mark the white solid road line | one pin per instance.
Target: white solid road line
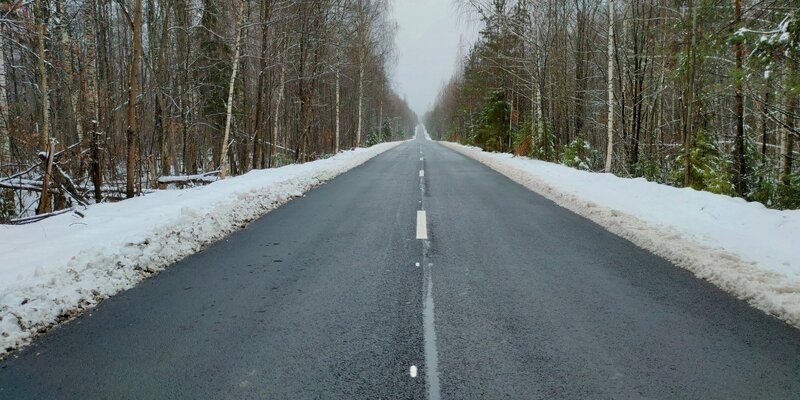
(421, 172)
(422, 225)
(429, 332)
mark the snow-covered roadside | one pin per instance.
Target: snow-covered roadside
(56, 268)
(744, 248)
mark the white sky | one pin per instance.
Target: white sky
(428, 38)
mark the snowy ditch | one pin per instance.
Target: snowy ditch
(741, 247)
(53, 270)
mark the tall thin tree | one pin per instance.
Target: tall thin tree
(133, 92)
(223, 170)
(610, 145)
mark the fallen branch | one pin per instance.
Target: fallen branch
(37, 218)
(43, 157)
(69, 186)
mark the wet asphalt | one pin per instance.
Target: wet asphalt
(322, 299)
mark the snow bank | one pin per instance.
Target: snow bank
(744, 248)
(51, 270)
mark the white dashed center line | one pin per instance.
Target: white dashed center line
(429, 331)
(422, 225)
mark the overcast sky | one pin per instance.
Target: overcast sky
(428, 39)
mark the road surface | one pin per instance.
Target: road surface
(491, 292)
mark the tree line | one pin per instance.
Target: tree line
(101, 98)
(692, 93)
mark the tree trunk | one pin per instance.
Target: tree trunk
(44, 130)
(163, 131)
(97, 169)
(787, 139)
(44, 133)
(276, 118)
(739, 161)
(45, 204)
(338, 110)
(764, 128)
(610, 144)
(92, 117)
(184, 43)
(133, 91)
(66, 45)
(542, 133)
(510, 117)
(360, 123)
(231, 86)
(689, 93)
(258, 136)
(5, 138)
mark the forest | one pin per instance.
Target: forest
(102, 100)
(691, 93)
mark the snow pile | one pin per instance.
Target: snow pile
(51, 270)
(744, 248)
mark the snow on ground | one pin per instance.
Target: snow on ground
(742, 247)
(53, 269)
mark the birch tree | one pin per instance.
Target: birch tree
(231, 86)
(363, 28)
(45, 143)
(610, 138)
(5, 138)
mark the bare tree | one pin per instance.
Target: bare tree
(201, 91)
(229, 114)
(610, 145)
(133, 92)
(45, 205)
(5, 138)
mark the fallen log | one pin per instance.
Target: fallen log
(202, 179)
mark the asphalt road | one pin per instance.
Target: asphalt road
(513, 297)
